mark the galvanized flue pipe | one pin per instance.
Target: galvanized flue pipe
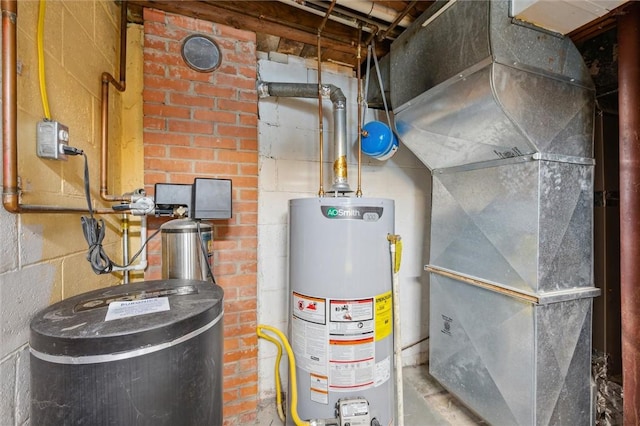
(339, 100)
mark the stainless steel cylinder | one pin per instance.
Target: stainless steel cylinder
(187, 249)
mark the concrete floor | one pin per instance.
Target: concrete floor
(426, 403)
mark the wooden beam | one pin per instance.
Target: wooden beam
(266, 42)
(592, 29)
(267, 17)
(290, 47)
(599, 25)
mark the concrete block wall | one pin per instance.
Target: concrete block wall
(205, 125)
(42, 259)
(289, 168)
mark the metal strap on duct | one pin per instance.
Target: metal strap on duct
(536, 298)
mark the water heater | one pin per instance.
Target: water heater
(341, 325)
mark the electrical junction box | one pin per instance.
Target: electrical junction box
(51, 136)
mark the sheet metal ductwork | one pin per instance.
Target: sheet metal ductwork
(484, 88)
(502, 113)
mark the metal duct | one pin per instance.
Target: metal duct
(502, 113)
(309, 90)
(485, 88)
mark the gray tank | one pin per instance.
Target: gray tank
(148, 353)
(341, 324)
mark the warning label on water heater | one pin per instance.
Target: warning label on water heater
(335, 341)
(351, 344)
(351, 363)
(384, 315)
(309, 308)
(309, 333)
(351, 317)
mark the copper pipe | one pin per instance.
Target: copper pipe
(320, 120)
(123, 41)
(104, 137)
(9, 107)
(34, 208)
(326, 16)
(396, 21)
(120, 85)
(629, 119)
(10, 190)
(360, 102)
(374, 32)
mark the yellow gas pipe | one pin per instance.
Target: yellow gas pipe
(292, 372)
(277, 371)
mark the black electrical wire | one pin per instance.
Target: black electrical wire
(205, 253)
(135, 256)
(94, 229)
(94, 234)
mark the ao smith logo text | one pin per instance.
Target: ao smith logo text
(334, 211)
(366, 213)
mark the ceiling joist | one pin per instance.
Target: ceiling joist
(339, 42)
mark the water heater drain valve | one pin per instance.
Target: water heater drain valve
(353, 412)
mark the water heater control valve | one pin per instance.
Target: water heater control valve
(353, 411)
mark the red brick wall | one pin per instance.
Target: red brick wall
(205, 125)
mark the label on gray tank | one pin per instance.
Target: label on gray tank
(366, 213)
(119, 310)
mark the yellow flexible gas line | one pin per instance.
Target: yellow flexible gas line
(277, 372)
(43, 84)
(292, 373)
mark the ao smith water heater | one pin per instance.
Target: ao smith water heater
(341, 327)
(341, 323)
